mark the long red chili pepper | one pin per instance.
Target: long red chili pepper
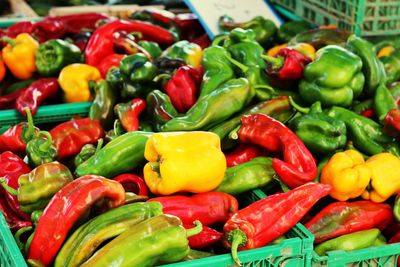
(69, 137)
(65, 208)
(133, 183)
(267, 219)
(209, 208)
(206, 238)
(39, 91)
(299, 166)
(243, 153)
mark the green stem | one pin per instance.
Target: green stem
(276, 62)
(9, 41)
(35, 216)
(134, 35)
(237, 238)
(234, 133)
(218, 39)
(133, 198)
(26, 249)
(195, 230)
(241, 66)
(155, 166)
(8, 188)
(49, 141)
(297, 107)
(164, 77)
(17, 236)
(99, 145)
(30, 132)
(263, 86)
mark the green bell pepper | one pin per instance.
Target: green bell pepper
(334, 78)
(138, 68)
(53, 55)
(122, 154)
(152, 48)
(103, 103)
(84, 241)
(114, 78)
(257, 172)
(41, 150)
(318, 131)
(160, 108)
(291, 28)
(212, 108)
(189, 52)
(391, 64)
(160, 239)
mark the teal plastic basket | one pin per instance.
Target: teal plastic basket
(362, 17)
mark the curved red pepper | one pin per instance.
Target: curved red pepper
(14, 222)
(112, 60)
(209, 208)
(65, 208)
(76, 22)
(207, 237)
(299, 166)
(128, 113)
(101, 43)
(243, 153)
(69, 137)
(133, 183)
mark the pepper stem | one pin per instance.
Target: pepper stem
(241, 66)
(17, 236)
(234, 133)
(297, 107)
(195, 230)
(9, 41)
(35, 216)
(263, 86)
(8, 188)
(237, 238)
(26, 249)
(218, 39)
(28, 134)
(276, 62)
(155, 166)
(49, 141)
(164, 77)
(99, 145)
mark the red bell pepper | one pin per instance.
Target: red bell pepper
(209, 208)
(39, 91)
(112, 60)
(243, 153)
(340, 218)
(14, 222)
(11, 168)
(183, 87)
(101, 44)
(69, 137)
(67, 206)
(269, 218)
(128, 113)
(299, 166)
(133, 183)
(206, 238)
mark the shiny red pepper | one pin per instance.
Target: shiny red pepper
(183, 87)
(298, 167)
(128, 113)
(369, 113)
(133, 183)
(206, 238)
(19, 27)
(209, 208)
(269, 218)
(65, 208)
(243, 153)
(392, 122)
(69, 137)
(112, 60)
(75, 23)
(38, 92)
(14, 222)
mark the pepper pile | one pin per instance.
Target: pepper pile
(179, 129)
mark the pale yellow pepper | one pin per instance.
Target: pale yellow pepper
(74, 81)
(385, 177)
(183, 162)
(347, 173)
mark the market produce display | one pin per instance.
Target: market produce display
(181, 127)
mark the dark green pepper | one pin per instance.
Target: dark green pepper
(372, 68)
(138, 68)
(115, 78)
(318, 131)
(391, 64)
(322, 37)
(291, 28)
(160, 239)
(86, 152)
(257, 172)
(133, 90)
(84, 241)
(160, 108)
(53, 55)
(213, 108)
(189, 52)
(152, 48)
(122, 154)
(41, 149)
(383, 102)
(103, 104)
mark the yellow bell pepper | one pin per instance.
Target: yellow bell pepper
(347, 173)
(19, 55)
(306, 49)
(74, 81)
(385, 178)
(183, 162)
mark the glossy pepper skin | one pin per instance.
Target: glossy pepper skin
(252, 174)
(13, 221)
(383, 102)
(86, 152)
(82, 244)
(334, 78)
(128, 113)
(2, 68)
(38, 92)
(152, 48)
(160, 108)
(391, 64)
(206, 238)
(372, 68)
(121, 155)
(190, 53)
(19, 55)
(340, 218)
(213, 108)
(41, 150)
(243, 153)
(52, 56)
(69, 137)
(67, 205)
(321, 37)
(132, 183)
(183, 87)
(168, 153)
(353, 241)
(209, 208)
(246, 229)
(319, 132)
(109, 62)
(103, 103)
(138, 68)
(298, 167)
(164, 235)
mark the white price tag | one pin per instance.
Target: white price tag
(209, 11)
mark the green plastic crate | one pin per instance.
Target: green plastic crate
(362, 17)
(294, 251)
